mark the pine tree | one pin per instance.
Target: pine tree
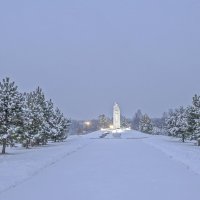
(146, 124)
(60, 126)
(43, 122)
(25, 134)
(10, 112)
(36, 104)
(104, 122)
(177, 123)
(171, 123)
(47, 126)
(136, 120)
(193, 113)
(125, 122)
(182, 124)
(159, 124)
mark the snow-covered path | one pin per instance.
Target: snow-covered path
(111, 169)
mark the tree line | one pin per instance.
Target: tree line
(181, 122)
(29, 118)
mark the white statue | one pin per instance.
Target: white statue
(116, 117)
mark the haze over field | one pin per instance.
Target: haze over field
(88, 54)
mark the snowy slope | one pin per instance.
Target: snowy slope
(135, 166)
(21, 164)
(186, 153)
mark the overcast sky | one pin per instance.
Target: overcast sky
(87, 54)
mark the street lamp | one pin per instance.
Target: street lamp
(87, 123)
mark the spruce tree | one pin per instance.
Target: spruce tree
(193, 113)
(146, 124)
(177, 123)
(171, 123)
(136, 120)
(10, 112)
(103, 122)
(25, 134)
(125, 122)
(36, 104)
(47, 125)
(60, 127)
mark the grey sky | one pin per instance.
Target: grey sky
(87, 54)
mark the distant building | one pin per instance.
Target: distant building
(116, 117)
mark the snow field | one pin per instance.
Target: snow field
(21, 164)
(133, 166)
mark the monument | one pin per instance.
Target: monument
(116, 117)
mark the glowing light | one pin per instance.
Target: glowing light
(87, 123)
(111, 126)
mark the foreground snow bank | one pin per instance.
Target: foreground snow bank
(111, 168)
(21, 164)
(186, 153)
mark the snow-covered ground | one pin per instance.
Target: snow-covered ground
(21, 164)
(187, 153)
(133, 166)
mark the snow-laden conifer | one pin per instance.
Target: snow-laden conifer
(177, 124)
(60, 127)
(194, 118)
(11, 104)
(145, 124)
